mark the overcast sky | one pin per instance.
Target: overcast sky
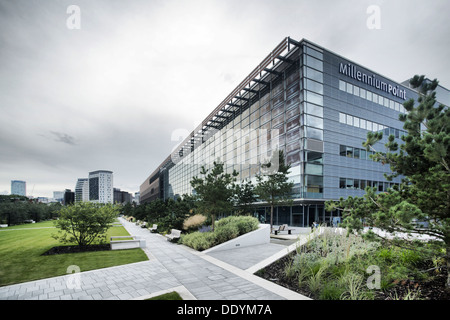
(110, 94)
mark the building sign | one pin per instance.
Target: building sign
(370, 79)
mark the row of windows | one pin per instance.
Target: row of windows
(368, 125)
(356, 153)
(371, 96)
(361, 184)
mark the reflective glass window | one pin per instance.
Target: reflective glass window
(314, 98)
(314, 86)
(314, 74)
(314, 110)
(314, 121)
(314, 63)
(314, 133)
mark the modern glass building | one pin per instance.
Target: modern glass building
(314, 105)
(18, 187)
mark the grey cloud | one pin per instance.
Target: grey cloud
(64, 138)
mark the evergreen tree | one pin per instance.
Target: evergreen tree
(273, 186)
(244, 197)
(423, 159)
(214, 191)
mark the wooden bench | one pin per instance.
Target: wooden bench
(153, 229)
(283, 227)
(174, 234)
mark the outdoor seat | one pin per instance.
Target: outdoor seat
(154, 228)
(174, 235)
(283, 227)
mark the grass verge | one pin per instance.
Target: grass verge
(21, 249)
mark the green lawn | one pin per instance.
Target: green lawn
(21, 249)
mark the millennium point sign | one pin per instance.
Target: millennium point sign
(370, 79)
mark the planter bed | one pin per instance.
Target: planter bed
(77, 249)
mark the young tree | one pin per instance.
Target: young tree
(274, 187)
(84, 222)
(214, 191)
(424, 159)
(244, 197)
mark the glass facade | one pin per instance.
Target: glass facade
(310, 103)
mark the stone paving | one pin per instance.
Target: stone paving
(221, 276)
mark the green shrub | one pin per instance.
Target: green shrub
(226, 229)
(225, 233)
(198, 240)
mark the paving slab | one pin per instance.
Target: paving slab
(210, 277)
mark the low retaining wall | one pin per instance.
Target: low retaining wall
(260, 236)
(137, 242)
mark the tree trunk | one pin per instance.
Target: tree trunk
(271, 218)
(447, 285)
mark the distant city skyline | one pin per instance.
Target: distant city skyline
(118, 84)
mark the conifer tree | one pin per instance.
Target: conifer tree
(423, 160)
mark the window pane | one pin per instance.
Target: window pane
(363, 154)
(314, 121)
(349, 152)
(314, 184)
(375, 98)
(316, 169)
(343, 150)
(362, 124)
(314, 133)
(349, 88)
(369, 125)
(341, 85)
(369, 96)
(342, 183)
(314, 98)
(314, 86)
(356, 122)
(314, 110)
(342, 118)
(362, 93)
(356, 90)
(349, 120)
(349, 183)
(314, 74)
(314, 157)
(314, 53)
(314, 63)
(375, 126)
(356, 153)
(356, 184)
(362, 184)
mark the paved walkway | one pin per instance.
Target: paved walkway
(216, 276)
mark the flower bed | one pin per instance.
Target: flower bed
(225, 229)
(334, 267)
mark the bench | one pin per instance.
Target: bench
(283, 227)
(137, 242)
(174, 234)
(153, 229)
(143, 224)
